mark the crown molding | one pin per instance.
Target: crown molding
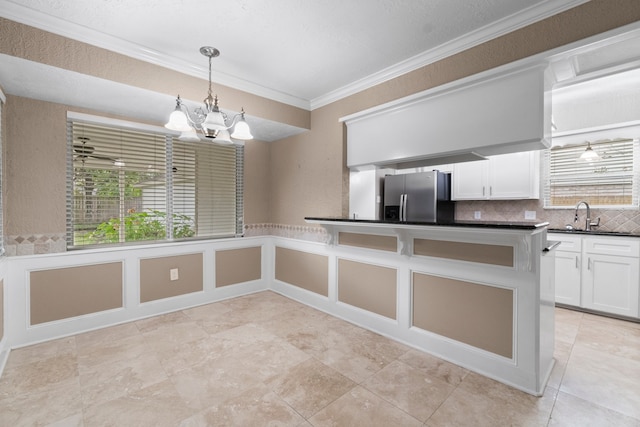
(52, 24)
(27, 16)
(504, 26)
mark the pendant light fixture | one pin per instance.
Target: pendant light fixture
(589, 154)
(210, 121)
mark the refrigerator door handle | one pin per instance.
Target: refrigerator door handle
(404, 207)
(401, 207)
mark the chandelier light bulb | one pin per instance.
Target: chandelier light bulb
(210, 120)
(241, 130)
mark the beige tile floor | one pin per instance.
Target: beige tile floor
(265, 360)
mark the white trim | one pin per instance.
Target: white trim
(504, 26)
(540, 59)
(456, 85)
(100, 120)
(624, 130)
(538, 12)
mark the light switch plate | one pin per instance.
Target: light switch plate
(529, 214)
(477, 215)
(173, 274)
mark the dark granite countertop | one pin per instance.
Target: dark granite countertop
(516, 225)
(593, 232)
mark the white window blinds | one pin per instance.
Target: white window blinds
(611, 181)
(127, 185)
(204, 187)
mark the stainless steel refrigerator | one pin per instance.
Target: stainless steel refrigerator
(418, 197)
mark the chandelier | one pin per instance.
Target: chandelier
(589, 154)
(210, 121)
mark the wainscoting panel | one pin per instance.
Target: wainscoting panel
(238, 266)
(370, 287)
(155, 277)
(61, 293)
(475, 314)
(305, 270)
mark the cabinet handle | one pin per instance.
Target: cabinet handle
(589, 264)
(577, 266)
(490, 190)
(483, 191)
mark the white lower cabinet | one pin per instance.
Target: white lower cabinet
(610, 284)
(568, 278)
(598, 273)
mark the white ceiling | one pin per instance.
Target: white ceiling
(303, 53)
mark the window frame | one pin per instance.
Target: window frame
(170, 139)
(599, 146)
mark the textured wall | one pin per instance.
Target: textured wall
(257, 182)
(300, 176)
(35, 167)
(305, 167)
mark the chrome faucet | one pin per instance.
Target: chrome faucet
(588, 224)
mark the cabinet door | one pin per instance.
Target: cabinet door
(468, 181)
(514, 176)
(567, 278)
(610, 284)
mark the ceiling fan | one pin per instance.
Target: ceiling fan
(82, 151)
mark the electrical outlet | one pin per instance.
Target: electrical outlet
(477, 215)
(173, 274)
(529, 214)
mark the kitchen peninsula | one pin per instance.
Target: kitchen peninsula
(480, 295)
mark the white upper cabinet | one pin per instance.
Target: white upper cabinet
(496, 112)
(504, 177)
(469, 180)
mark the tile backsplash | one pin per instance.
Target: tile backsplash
(621, 220)
(35, 244)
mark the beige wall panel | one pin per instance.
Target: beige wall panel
(307, 172)
(371, 241)
(238, 266)
(257, 182)
(463, 251)
(478, 315)
(370, 287)
(69, 292)
(1, 309)
(303, 269)
(155, 279)
(35, 159)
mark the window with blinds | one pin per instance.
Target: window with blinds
(611, 181)
(127, 185)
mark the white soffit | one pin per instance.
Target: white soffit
(306, 55)
(46, 83)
